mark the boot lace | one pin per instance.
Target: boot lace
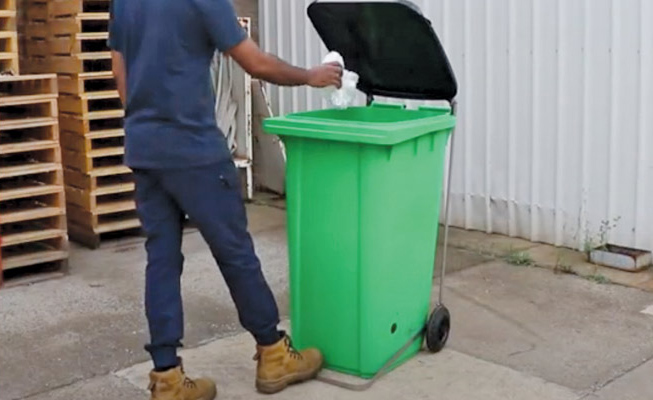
(291, 350)
(189, 383)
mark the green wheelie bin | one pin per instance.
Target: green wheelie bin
(364, 189)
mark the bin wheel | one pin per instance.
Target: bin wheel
(437, 329)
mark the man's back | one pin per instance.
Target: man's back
(167, 46)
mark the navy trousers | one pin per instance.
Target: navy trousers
(210, 196)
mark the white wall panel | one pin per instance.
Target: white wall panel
(555, 132)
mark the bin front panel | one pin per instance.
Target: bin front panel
(362, 227)
(401, 196)
(323, 240)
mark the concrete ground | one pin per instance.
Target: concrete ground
(519, 332)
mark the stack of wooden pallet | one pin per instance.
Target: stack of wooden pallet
(69, 37)
(32, 206)
(8, 38)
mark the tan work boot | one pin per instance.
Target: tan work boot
(281, 365)
(173, 384)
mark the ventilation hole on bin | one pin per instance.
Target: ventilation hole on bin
(393, 329)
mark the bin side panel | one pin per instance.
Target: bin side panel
(323, 241)
(401, 189)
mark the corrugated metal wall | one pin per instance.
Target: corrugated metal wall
(556, 111)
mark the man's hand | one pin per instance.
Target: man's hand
(325, 75)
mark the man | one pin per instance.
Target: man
(161, 52)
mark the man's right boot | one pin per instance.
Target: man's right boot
(173, 384)
(281, 365)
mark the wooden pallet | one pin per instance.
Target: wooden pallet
(28, 139)
(87, 162)
(9, 5)
(118, 195)
(25, 85)
(100, 202)
(81, 63)
(96, 141)
(86, 153)
(36, 207)
(31, 64)
(101, 181)
(99, 188)
(36, 30)
(39, 26)
(87, 228)
(35, 254)
(32, 197)
(75, 7)
(65, 28)
(28, 125)
(81, 23)
(9, 63)
(30, 162)
(90, 103)
(32, 185)
(9, 42)
(79, 43)
(29, 110)
(92, 122)
(33, 224)
(87, 83)
(27, 101)
(48, 9)
(37, 47)
(7, 20)
(33, 231)
(8, 51)
(35, 11)
(67, 45)
(91, 200)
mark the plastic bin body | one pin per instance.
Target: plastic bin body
(364, 189)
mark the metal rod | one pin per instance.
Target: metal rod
(447, 210)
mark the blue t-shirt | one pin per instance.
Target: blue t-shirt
(167, 46)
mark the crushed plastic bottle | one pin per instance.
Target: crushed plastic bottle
(346, 95)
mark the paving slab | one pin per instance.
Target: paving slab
(458, 259)
(561, 328)
(449, 375)
(636, 385)
(92, 322)
(551, 327)
(488, 244)
(567, 260)
(108, 387)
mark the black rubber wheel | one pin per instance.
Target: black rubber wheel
(437, 329)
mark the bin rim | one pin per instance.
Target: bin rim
(376, 133)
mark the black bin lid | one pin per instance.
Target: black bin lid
(389, 44)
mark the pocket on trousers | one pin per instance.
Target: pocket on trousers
(228, 175)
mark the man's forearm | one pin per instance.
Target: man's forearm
(269, 68)
(278, 72)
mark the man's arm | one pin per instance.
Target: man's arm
(269, 68)
(120, 75)
(226, 35)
